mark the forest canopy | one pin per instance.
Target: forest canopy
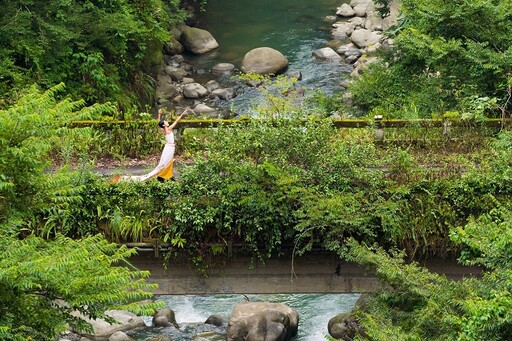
(102, 50)
(447, 56)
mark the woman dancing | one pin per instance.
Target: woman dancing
(167, 153)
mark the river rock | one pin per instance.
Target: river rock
(204, 109)
(164, 318)
(188, 67)
(345, 11)
(176, 73)
(362, 64)
(326, 53)
(198, 41)
(352, 57)
(254, 321)
(357, 22)
(341, 30)
(102, 329)
(224, 94)
(363, 37)
(254, 83)
(187, 80)
(353, 54)
(297, 75)
(176, 31)
(264, 61)
(373, 48)
(173, 47)
(212, 85)
(344, 48)
(178, 58)
(194, 90)
(217, 320)
(120, 336)
(376, 23)
(222, 68)
(360, 10)
(165, 88)
(344, 326)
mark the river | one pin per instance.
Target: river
(294, 27)
(191, 311)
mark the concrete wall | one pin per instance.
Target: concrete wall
(314, 273)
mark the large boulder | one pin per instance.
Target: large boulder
(198, 41)
(264, 61)
(262, 321)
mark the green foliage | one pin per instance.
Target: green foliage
(102, 50)
(416, 304)
(33, 129)
(444, 54)
(327, 105)
(43, 284)
(134, 139)
(280, 181)
(266, 185)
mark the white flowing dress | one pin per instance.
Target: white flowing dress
(165, 159)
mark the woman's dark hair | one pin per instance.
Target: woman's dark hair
(161, 124)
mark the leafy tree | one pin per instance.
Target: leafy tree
(36, 127)
(418, 305)
(447, 56)
(102, 50)
(44, 284)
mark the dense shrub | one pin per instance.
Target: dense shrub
(442, 60)
(102, 50)
(269, 185)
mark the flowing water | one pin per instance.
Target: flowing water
(294, 27)
(191, 311)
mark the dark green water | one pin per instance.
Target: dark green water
(294, 27)
(191, 311)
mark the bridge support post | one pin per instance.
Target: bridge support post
(379, 129)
